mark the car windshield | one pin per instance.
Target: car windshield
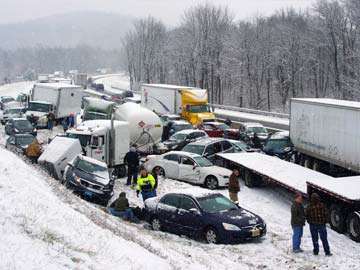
(197, 149)
(202, 162)
(240, 146)
(257, 130)
(39, 107)
(277, 143)
(199, 108)
(216, 203)
(182, 127)
(84, 139)
(222, 127)
(13, 111)
(22, 124)
(93, 168)
(178, 137)
(24, 140)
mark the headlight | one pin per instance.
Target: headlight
(230, 227)
(287, 149)
(77, 180)
(16, 130)
(35, 130)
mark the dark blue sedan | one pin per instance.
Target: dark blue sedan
(203, 214)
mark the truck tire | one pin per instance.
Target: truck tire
(308, 163)
(302, 160)
(316, 165)
(336, 218)
(249, 179)
(353, 226)
(120, 171)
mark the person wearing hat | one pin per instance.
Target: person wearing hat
(146, 185)
(234, 185)
(316, 216)
(297, 222)
(132, 161)
(121, 208)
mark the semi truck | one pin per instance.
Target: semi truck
(189, 102)
(145, 127)
(325, 134)
(61, 99)
(80, 79)
(341, 195)
(105, 140)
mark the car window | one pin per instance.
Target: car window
(191, 136)
(218, 147)
(187, 203)
(226, 145)
(12, 140)
(210, 150)
(207, 127)
(171, 200)
(199, 134)
(172, 157)
(187, 161)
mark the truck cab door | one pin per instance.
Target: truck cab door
(97, 148)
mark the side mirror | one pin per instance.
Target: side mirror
(194, 211)
(70, 164)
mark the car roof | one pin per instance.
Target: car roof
(183, 153)
(252, 124)
(195, 192)
(189, 131)
(207, 141)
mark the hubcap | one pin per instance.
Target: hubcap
(211, 237)
(161, 172)
(156, 224)
(211, 183)
(354, 227)
(335, 218)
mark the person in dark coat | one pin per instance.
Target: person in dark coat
(297, 222)
(228, 121)
(32, 119)
(155, 173)
(166, 132)
(132, 161)
(256, 141)
(234, 185)
(50, 119)
(121, 208)
(65, 124)
(316, 216)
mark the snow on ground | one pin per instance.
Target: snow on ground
(15, 88)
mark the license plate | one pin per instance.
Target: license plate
(88, 193)
(255, 232)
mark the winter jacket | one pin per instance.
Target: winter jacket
(34, 149)
(234, 186)
(51, 116)
(145, 183)
(122, 203)
(156, 178)
(131, 159)
(297, 215)
(166, 133)
(256, 141)
(316, 213)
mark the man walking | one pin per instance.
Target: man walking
(234, 185)
(50, 119)
(297, 222)
(145, 185)
(132, 161)
(316, 215)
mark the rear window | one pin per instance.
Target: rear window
(183, 127)
(172, 158)
(197, 149)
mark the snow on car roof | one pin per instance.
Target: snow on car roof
(92, 160)
(252, 124)
(189, 131)
(280, 135)
(183, 153)
(196, 192)
(206, 141)
(330, 101)
(346, 187)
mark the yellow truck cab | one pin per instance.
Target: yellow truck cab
(189, 102)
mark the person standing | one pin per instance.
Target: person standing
(50, 118)
(132, 161)
(65, 124)
(256, 141)
(145, 185)
(297, 222)
(32, 120)
(71, 120)
(156, 173)
(316, 215)
(234, 185)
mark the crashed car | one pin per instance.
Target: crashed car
(204, 215)
(18, 143)
(279, 145)
(19, 126)
(178, 140)
(90, 178)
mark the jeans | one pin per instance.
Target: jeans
(148, 194)
(127, 213)
(296, 238)
(132, 173)
(315, 231)
(50, 124)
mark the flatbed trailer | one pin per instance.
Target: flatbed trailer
(341, 195)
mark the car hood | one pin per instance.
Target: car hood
(217, 170)
(233, 130)
(91, 177)
(239, 217)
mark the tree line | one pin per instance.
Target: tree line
(259, 63)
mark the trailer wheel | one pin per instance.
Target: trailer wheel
(336, 218)
(353, 226)
(302, 160)
(316, 165)
(249, 179)
(308, 163)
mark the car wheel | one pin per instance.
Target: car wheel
(211, 182)
(211, 236)
(353, 226)
(155, 224)
(161, 172)
(336, 218)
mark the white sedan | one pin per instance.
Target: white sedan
(189, 167)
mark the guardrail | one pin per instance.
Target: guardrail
(245, 110)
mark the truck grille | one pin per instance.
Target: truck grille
(90, 185)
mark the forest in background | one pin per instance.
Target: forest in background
(259, 63)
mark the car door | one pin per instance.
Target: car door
(188, 217)
(10, 144)
(212, 150)
(171, 166)
(188, 170)
(167, 210)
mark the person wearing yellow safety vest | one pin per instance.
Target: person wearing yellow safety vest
(145, 185)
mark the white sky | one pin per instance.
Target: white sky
(169, 11)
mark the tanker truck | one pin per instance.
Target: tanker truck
(145, 127)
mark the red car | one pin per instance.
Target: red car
(213, 129)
